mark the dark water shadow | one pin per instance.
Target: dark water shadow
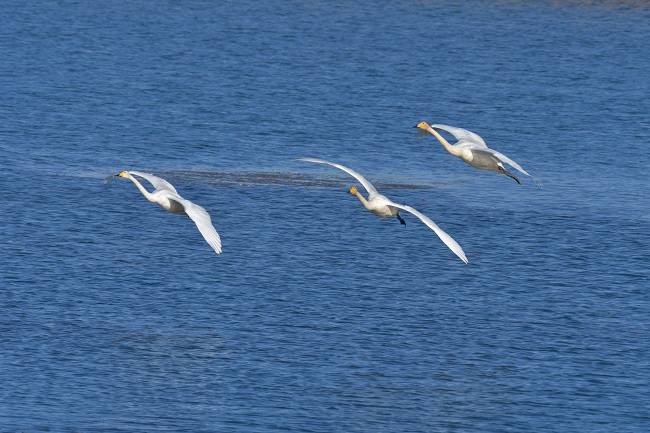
(280, 178)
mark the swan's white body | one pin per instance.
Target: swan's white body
(471, 148)
(385, 208)
(167, 197)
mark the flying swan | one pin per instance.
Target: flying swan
(385, 208)
(167, 197)
(471, 148)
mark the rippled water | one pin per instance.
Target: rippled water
(318, 316)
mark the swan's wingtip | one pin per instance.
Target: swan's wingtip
(537, 181)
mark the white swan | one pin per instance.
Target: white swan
(167, 197)
(385, 208)
(471, 148)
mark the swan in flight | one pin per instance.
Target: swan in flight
(385, 208)
(167, 197)
(472, 149)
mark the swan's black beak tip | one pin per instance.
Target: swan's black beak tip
(109, 178)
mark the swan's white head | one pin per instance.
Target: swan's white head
(422, 125)
(353, 190)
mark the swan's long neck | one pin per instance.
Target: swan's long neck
(448, 147)
(144, 192)
(362, 199)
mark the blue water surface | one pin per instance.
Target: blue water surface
(319, 317)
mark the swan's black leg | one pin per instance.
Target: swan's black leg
(503, 170)
(401, 220)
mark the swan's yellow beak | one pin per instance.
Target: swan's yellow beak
(121, 174)
(352, 190)
(421, 125)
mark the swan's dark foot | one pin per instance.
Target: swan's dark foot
(503, 170)
(401, 220)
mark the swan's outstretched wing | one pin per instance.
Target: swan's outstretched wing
(157, 182)
(367, 185)
(501, 157)
(462, 135)
(203, 222)
(448, 240)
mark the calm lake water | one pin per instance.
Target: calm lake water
(318, 316)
